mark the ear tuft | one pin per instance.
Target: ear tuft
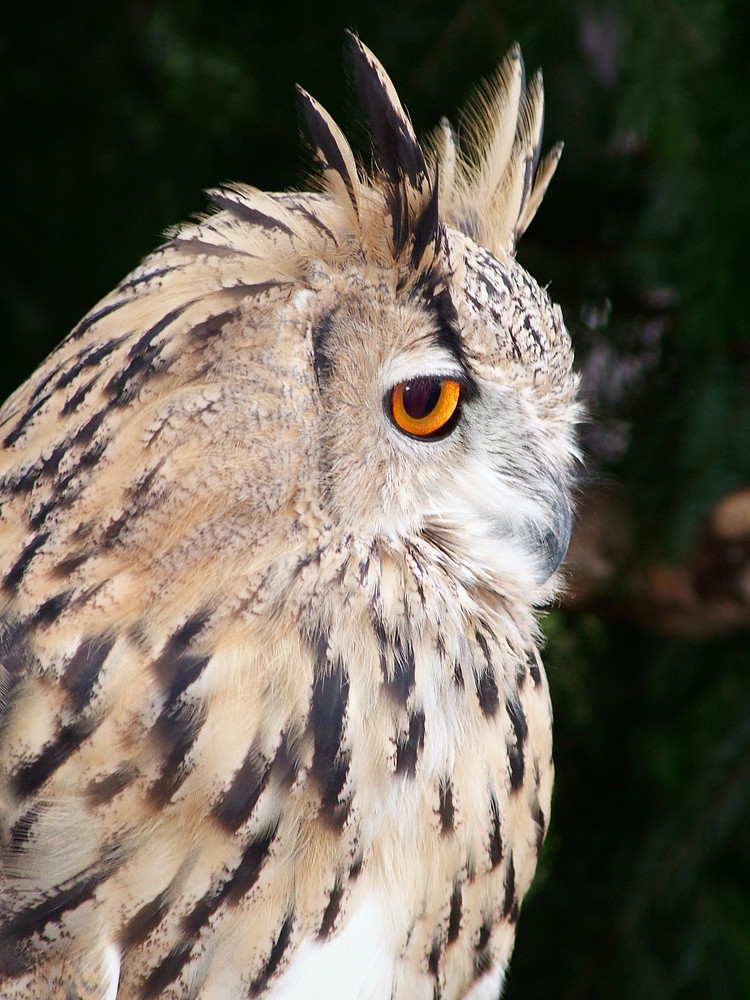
(411, 197)
(491, 180)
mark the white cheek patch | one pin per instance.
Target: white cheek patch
(503, 522)
(488, 525)
(478, 555)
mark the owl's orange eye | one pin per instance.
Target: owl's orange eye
(423, 407)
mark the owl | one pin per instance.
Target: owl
(275, 521)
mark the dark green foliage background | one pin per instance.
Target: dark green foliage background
(114, 116)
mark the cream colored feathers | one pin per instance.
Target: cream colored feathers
(493, 187)
(274, 521)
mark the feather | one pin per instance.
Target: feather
(495, 188)
(331, 149)
(411, 200)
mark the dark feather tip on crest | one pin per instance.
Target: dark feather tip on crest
(398, 151)
(326, 144)
(411, 196)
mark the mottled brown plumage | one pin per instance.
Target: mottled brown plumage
(274, 721)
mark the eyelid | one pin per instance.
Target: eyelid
(407, 366)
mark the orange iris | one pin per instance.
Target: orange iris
(423, 406)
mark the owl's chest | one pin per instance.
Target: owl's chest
(447, 761)
(377, 806)
(360, 964)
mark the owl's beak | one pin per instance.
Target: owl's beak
(555, 541)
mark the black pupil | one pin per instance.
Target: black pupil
(421, 397)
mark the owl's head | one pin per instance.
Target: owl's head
(445, 392)
(366, 364)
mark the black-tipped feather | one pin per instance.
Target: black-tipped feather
(326, 143)
(427, 228)
(396, 145)
(412, 199)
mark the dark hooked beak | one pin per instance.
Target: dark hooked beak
(554, 543)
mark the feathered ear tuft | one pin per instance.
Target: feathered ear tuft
(491, 180)
(488, 181)
(396, 145)
(411, 195)
(331, 150)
